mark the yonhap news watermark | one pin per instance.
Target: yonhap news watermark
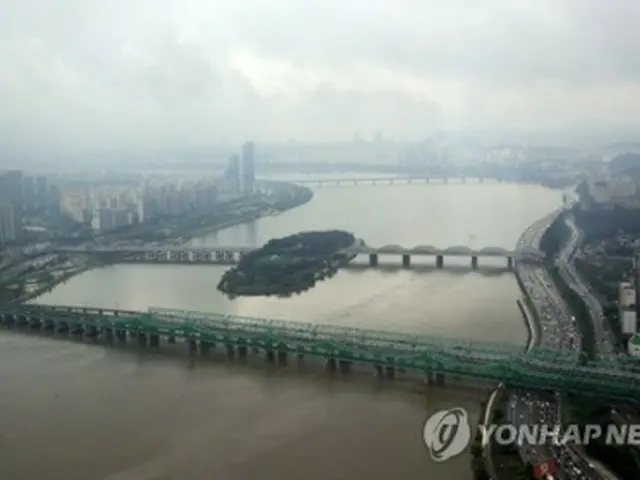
(447, 434)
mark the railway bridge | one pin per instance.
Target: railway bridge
(230, 255)
(435, 359)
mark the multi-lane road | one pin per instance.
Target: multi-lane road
(557, 330)
(603, 335)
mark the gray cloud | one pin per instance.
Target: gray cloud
(79, 74)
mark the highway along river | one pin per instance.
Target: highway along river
(77, 411)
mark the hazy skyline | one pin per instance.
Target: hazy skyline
(88, 74)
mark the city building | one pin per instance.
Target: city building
(633, 347)
(42, 192)
(9, 215)
(232, 175)
(112, 218)
(39, 195)
(74, 203)
(29, 193)
(204, 198)
(247, 171)
(11, 206)
(627, 307)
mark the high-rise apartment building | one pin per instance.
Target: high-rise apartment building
(247, 173)
(42, 192)
(11, 206)
(232, 174)
(636, 281)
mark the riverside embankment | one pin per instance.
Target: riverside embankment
(33, 279)
(300, 412)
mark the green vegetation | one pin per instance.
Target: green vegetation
(506, 460)
(288, 265)
(551, 244)
(602, 223)
(624, 461)
(604, 272)
(9, 292)
(577, 409)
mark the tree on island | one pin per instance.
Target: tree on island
(288, 264)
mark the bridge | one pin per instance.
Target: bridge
(230, 255)
(396, 180)
(437, 360)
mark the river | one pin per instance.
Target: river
(78, 411)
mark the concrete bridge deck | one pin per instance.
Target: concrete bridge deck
(429, 356)
(425, 250)
(398, 180)
(232, 254)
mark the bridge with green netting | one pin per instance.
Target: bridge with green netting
(389, 353)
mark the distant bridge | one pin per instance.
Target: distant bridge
(388, 353)
(229, 255)
(396, 180)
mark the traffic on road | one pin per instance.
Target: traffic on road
(557, 330)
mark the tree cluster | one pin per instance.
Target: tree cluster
(287, 265)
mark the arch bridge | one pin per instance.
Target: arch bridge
(387, 353)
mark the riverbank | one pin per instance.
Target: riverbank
(283, 197)
(49, 286)
(289, 196)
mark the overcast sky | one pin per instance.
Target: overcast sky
(90, 73)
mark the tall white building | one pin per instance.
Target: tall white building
(9, 219)
(627, 307)
(11, 199)
(246, 173)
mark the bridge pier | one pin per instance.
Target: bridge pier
(205, 347)
(345, 366)
(108, 333)
(510, 263)
(91, 331)
(439, 261)
(193, 345)
(406, 260)
(474, 262)
(373, 260)
(331, 364)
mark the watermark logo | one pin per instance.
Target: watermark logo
(447, 433)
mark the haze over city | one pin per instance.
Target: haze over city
(86, 76)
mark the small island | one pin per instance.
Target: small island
(288, 265)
